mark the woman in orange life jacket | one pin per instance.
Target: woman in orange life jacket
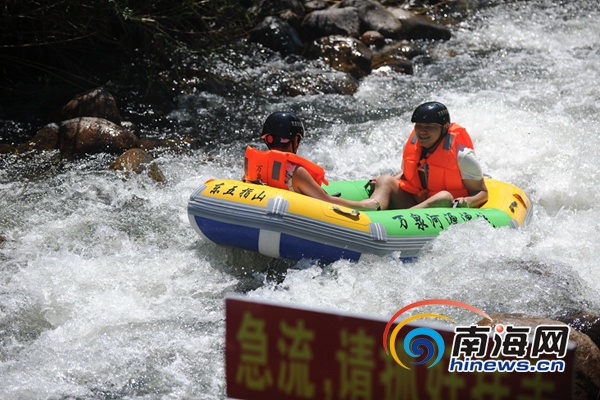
(439, 166)
(281, 167)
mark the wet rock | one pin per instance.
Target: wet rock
(94, 103)
(418, 27)
(7, 148)
(326, 82)
(266, 8)
(47, 138)
(404, 49)
(444, 11)
(138, 161)
(315, 5)
(343, 54)
(332, 21)
(133, 160)
(587, 354)
(290, 11)
(375, 17)
(393, 63)
(376, 25)
(396, 57)
(155, 173)
(373, 38)
(278, 35)
(85, 135)
(291, 18)
(586, 323)
(80, 136)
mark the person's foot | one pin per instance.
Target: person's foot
(371, 205)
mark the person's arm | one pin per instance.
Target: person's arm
(472, 178)
(478, 193)
(304, 183)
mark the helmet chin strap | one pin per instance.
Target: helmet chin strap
(295, 144)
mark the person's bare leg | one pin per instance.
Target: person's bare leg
(385, 189)
(402, 200)
(389, 195)
(440, 199)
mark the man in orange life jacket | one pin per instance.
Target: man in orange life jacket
(281, 167)
(439, 167)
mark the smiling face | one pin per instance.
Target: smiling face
(428, 134)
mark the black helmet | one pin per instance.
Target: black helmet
(281, 127)
(432, 112)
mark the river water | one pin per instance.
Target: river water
(107, 292)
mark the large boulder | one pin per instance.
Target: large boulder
(332, 21)
(94, 103)
(7, 148)
(80, 136)
(375, 17)
(344, 54)
(418, 27)
(278, 35)
(47, 138)
(138, 161)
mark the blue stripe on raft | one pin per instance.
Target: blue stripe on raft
(229, 234)
(296, 248)
(291, 247)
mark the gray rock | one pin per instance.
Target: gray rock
(375, 17)
(278, 35)
(332, 21)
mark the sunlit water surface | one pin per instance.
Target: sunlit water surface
(106, 291)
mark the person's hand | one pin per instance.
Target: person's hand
(460, 202)
(372, 182)
(370, 185)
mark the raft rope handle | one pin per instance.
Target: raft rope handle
(277, 206)
(369, 187)
(352, 213)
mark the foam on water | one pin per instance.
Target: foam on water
(108, 292)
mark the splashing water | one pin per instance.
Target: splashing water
(108, 293)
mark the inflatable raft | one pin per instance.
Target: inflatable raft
(280, 223)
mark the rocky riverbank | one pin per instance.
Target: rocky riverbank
(349, 39)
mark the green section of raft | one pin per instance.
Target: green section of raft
(417, 222)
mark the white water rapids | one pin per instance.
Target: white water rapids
(106, 291)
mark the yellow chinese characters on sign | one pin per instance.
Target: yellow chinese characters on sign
(282, 352)
(253, 369)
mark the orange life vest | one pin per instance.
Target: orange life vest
(268, 167)
(440, 167)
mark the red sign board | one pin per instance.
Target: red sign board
(276, 351)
